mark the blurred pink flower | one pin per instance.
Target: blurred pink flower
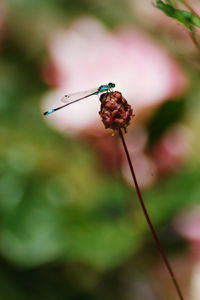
(173, 147)
(108, 151)
(87, 55)
(188, 225)
(144, 166)
(145, 170)
(169, 152)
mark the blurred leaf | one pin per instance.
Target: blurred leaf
(166, 115)
(103, 244)
(184, 17)
(169, 2)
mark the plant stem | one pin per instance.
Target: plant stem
(160, 248)
(190, 8)
(193, 33)
(194, 37)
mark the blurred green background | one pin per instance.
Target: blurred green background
(69, 227)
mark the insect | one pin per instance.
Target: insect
(75, 97)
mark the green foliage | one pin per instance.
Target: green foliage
(166, 115)
(186, 18)
(169, 2)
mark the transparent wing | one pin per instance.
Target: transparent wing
(74, 96)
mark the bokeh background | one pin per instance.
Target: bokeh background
(70, 223)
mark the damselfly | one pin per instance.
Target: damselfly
(75, 97)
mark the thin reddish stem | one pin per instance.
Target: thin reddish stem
(160, 248)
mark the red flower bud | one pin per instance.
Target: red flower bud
(115, 112)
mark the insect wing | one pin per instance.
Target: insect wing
(74, 96)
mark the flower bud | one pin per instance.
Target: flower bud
(115, 112)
